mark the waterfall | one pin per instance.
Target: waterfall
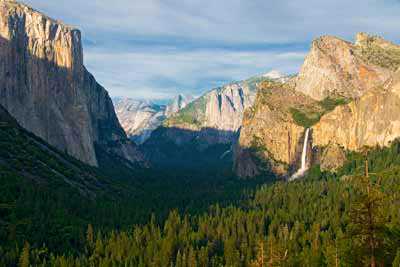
(300, 172)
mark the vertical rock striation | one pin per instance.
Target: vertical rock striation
(45, 86)
(270, 136)
(368, 121)
(205, 128)
(179, 102)
(347, 93)
(335, 67)
(216, 116)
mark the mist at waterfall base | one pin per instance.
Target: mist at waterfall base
(300, 172)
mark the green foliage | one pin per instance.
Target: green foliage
(24, 257)
(386, 58)
(396, 261)
(286, 224)
(47, 197)
(193, 113)
(307, 117)
(304, 119)
(330, 103)
(212, 220)
(253, 82)
(367, 221)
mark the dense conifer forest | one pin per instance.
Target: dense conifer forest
(351, 218)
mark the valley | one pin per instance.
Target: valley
(270, 170)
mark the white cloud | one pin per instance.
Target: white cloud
(159, 73)
(234, 21)
(158, 48)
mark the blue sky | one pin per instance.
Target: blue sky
(153, 49)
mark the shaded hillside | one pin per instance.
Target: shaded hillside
(321, 221)
(202, 133)
(42, 189)
(190, 150)
(48, 197)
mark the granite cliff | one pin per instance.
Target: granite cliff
(220, 110)
(337, 68)
(367, 121)
(273, 128)
(179, 102)
(46, 87)
(347, 93)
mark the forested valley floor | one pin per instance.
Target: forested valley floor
(145, 218)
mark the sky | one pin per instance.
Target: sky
(156, 49)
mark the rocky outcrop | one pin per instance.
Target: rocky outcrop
(205, 129)
(140, 118)
(350, 99)
(177, 104)
(335, 67)
(277, 76)
(45, 86)
(270, 137)
(368, 121)
(333, 157)
(215, 117)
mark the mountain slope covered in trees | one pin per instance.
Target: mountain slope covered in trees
(344, 219)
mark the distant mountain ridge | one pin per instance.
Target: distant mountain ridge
(140, 118)
(212, 119)
(220, 109)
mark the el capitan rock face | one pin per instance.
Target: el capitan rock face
(45, 86)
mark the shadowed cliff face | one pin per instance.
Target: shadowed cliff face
(45, 86)
(203, 132)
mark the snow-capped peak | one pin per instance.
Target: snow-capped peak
(273, 74)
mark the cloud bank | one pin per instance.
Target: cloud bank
(155, 49)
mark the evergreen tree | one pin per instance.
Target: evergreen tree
(24, 257)
(260, 260)
(396, 262)
(367, 221)
(90, 236)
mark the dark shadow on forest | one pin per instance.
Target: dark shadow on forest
(183, 149)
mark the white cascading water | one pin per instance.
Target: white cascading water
(300, 172)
